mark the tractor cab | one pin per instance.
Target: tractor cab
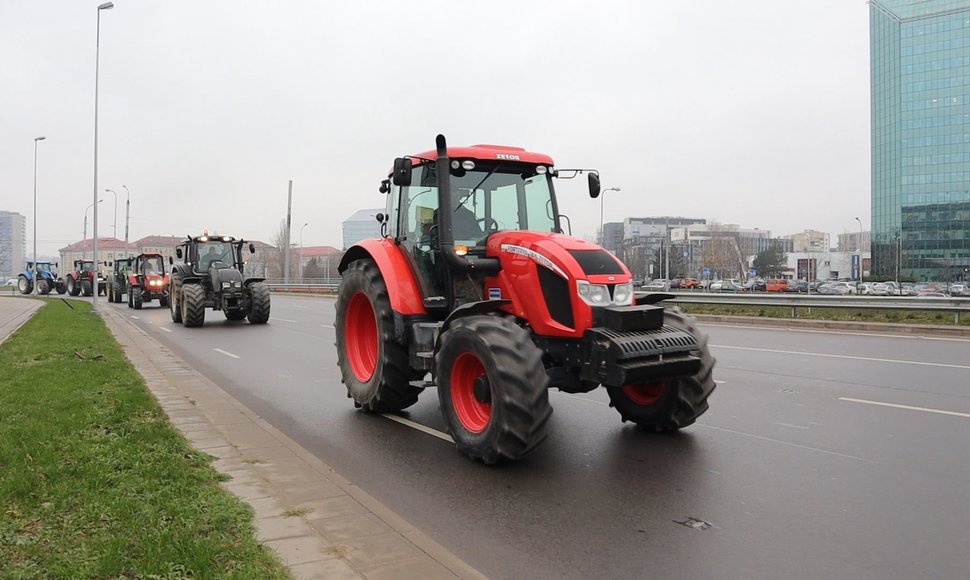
(446, 204)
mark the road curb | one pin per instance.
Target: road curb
(319, 523)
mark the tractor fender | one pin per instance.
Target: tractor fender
(249, 281)
(402, 288)
(469, 309)
(652, 297)
(28, 274)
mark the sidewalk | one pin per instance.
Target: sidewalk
(320, 524)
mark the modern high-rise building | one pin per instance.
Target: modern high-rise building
(920, 75)
(361, 226)
(13, 244)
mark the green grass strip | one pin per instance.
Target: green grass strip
(94, 480)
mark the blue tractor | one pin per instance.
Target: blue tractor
(46, 279)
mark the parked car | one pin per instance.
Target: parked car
(776, 285)
(689, 283)
(656, 285)
(797, 286)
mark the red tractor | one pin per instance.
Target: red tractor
(475, 282)
(147, 280)
(85, 279)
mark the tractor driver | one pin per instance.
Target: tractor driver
(211, 255)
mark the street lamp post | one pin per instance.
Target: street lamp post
(127, 208)
(301, 250)
(97, 56)
(602, 233)
(36, 139)
(90, 205)
(862, 271)
(114, 228)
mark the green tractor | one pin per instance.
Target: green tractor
(118, 279)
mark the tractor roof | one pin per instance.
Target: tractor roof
(212, 238)
(491, 152)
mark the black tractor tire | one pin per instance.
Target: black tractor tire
(492, 388)
(24, 285)
(137, 298)
(163, 301)
(115, 295)
(130, 299)
(174, 295)
(73, 288)
(373, 364)
(60, 286)
(259, 303)
(193, 305)
(86, 288)
(43, 287)
(674, 403)
(235, 314)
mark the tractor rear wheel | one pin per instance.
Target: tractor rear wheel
(492, 388)
(131, 299)
(24, 285)
(373, 364)
(674, 403)
(193, 305)
(258, 303)
(237, 314)
(137, 298)
(86, 288)
(174, 295)
(43, 287)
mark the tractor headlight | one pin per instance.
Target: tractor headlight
(622, 293)
(593, 294)
(225, 285)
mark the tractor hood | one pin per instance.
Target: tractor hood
(568, 257)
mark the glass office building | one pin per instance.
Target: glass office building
(920, 75)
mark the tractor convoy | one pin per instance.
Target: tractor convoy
(474, 288)
(475, 283)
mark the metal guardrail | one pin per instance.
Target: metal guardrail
(957, 306)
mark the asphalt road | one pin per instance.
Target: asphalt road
(824, 455)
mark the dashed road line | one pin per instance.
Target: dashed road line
(906, 407)
(165, 329)
(419, 427)
(225, 352)
(843, 356)
(282, 319)
(327, 326)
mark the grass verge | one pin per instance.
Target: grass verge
(849, 314)
(94, 480)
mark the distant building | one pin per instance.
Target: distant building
(642, 241)
(854, 242)
(109, 249)
(319, 262)
(723, 250)
(361, 226)
(612, 237)
(13, 244)
(920, 108)
(807, 240)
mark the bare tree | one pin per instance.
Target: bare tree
(721, 252)
(278, 258)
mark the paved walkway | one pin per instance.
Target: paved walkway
(320, 524)
(14, 312)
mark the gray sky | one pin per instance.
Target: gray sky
(752, 112)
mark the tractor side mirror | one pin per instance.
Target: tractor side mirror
(402, 171)
(170, 261)
(178, 252)
(252, 248)
(385, 186)
(109, 264)
(594, 185)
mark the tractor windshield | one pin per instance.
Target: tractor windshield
(153, 266)
(210, 252)
(87, 266)
(43, 267)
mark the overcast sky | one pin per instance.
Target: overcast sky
(753, 112)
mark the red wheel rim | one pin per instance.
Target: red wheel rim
(360, 337)
(644, 394)
(472, 413)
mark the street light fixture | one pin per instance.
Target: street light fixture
(97, 57)
(301, 250)
(602, 233)
(36, 139)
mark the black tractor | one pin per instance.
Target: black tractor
(210, 275)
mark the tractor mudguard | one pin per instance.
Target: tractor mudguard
(249, 281)
(471, 309)
(652, 297)
(402, 288)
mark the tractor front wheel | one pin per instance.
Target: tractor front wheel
(174, 295)
(492, 388)
(373, 364)
(24, 285)
(86, 288)
(193, 305)
(258, 303)
(43, 287)
(673, 403)
(137, 298)
(73, 288)
(60, 286)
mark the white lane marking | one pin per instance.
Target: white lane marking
(789, 425)
(419, 427)
(866, 358)
(786, 443)
(227, 353)
(283, 319)
(877, 333)
(327, 326)
(165, 329)
(135, 317)
(907, 407)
